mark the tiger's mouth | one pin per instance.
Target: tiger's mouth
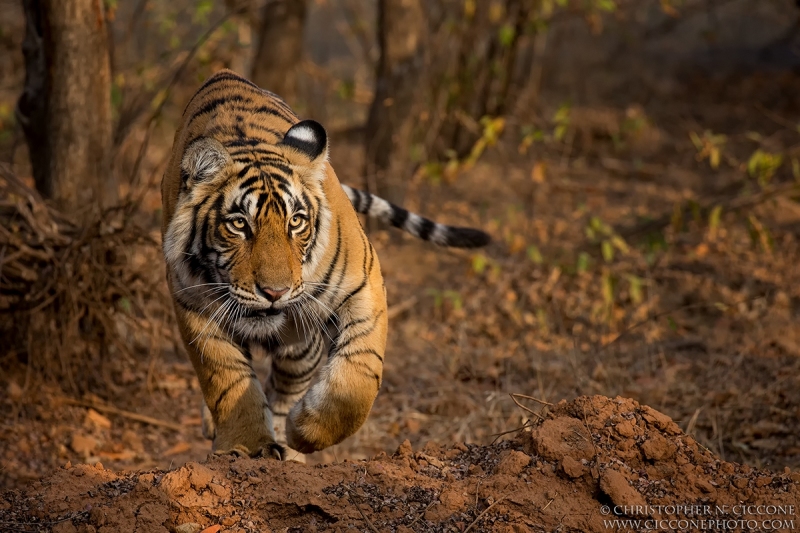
(261, 313)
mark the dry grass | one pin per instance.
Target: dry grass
(72, 296)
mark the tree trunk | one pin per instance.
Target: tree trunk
(402, 32)
(65, 108)
(279, 49)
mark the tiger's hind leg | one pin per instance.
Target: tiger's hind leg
(292, 372)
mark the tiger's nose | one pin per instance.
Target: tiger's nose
(272, 294)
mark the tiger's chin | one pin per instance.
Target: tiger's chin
(261, 324)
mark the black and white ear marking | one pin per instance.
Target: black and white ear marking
(203, 159)
(309, 138)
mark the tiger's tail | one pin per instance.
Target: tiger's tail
(418, 226)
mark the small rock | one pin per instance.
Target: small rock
(660, 420)
(431, 460)
(254, 480)
(573, 468)
(228, 521)
(404, 450)
(657, 448)
(512, 462)
(218, 490)
(625, 428)
(199, 476)
(188, 527)
(795, 476)
(740, 482)
(763, 481)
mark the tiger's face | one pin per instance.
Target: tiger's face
(249, 227)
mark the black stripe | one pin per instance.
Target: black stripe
(300, 375)
(358, 335)
(213, 104)
(228, 389)
(368, 203)
(369, 351)
(213, 80)
(249, 182)
(398, 217)
(357, 200)
(353, 293)
(425, 229)
(327, 277)
(267, 110)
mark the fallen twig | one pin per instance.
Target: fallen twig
(402, 307)
(120, 412)
(500, 499)
(420, 515)
(363, 514)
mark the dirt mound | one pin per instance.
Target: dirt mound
(584, 464)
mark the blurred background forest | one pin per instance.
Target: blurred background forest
(636, 161)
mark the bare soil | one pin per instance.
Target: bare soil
(694, 316)
(582, 464)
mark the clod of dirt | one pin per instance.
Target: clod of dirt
(189, 527)
(559, 437)
(616, 487)
(657, 448)
(563, 473)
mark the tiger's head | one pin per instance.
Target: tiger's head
(250, 225)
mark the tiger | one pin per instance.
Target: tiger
(265, 255)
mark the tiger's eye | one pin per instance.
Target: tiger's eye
(238, 223)
(296, 221)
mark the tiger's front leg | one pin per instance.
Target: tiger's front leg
(292, 372)
(338, 404)
(240, 417)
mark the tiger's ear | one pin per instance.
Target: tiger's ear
(308, 140)
(202, 160)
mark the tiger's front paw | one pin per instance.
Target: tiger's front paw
(271, 451)
(306, 436)
(309, 431)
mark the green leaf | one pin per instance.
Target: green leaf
(535, 255)
(714, 218)
(506, 35)
(608, 289)
(584, 259)
(620, 244)
(606, 5)
(125, 304)
(635, 289)
(608, 250)
(479, 263)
